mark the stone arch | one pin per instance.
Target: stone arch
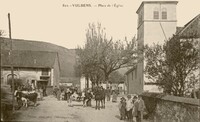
(9, 77)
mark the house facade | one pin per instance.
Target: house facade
(40, 67)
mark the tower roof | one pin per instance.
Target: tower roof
(155, 2)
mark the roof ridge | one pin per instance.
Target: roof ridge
(37, 41)
(35, 51)
(187, 25)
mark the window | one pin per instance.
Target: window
(45, 72)
(164, 13)
(156, 13)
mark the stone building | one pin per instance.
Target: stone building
(40, 67)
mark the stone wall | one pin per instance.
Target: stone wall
(166, 108)
(25, 75)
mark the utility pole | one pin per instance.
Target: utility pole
(11, 62)
(1, 60)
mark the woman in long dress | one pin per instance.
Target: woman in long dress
(114, 96)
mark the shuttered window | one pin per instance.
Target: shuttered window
(155, 15)
(164, 13)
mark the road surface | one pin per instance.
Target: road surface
(52, 110)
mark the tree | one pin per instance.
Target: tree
(173, 66)
(1, 47)
(116, 77)
(3, 44)
(104, 56)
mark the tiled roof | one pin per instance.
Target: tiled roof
(179, 29)
(130, 70)
(191, 29)
(31, 59)
(67, 57)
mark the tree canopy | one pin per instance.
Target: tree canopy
(174, 65)
(100, 56)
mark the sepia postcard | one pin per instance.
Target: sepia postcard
(100, 60)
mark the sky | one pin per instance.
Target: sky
(58, 22)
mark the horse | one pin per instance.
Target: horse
(103, 97)
(99, 94)
(87, 97)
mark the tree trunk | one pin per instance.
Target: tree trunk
(87, 82)
(106, 80)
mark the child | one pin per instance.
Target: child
(122, 108)
(62, 95)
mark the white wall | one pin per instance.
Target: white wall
(151, 31)
(25, 74)
(149, 8)
(153, 88)
(83, 83)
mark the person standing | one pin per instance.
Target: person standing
(41, 93)
(55, 91)
(33, 85)
(44, 91)
(135, 108)
(108, 93)
(129, 108)
(88, 96)
(70, 98)
(68, 93)
(62, 95)
(58, 94)
(114, 96)
(122, 108)
(139, 107)
(84, 98)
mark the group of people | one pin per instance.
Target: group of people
(132, 108)
(98, 93)
(63, 94)
(87, 96)
(112, 93)
(70, 94)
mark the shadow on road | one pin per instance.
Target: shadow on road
(117, 116)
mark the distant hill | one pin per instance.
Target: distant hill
(67, 57)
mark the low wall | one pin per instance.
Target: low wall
(166, 108)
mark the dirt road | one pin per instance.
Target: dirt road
(51, 110)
